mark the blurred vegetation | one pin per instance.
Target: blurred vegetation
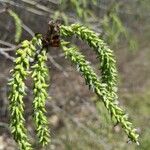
(75, 122)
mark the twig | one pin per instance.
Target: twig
(26, 28)
(35, 11)
(7, 44)
(60, 55)
(2, 11)
(39, 6)
(57, 65)
(6, 55)
(5, 125)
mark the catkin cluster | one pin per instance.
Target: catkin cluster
(39, 72)
(105, 86)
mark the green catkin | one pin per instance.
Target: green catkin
(17, 92)
(40, 75)
(18, 24)
(100, 89)
(104, 55)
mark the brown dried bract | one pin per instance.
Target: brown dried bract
(52, 37)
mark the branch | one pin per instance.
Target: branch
(59, 67)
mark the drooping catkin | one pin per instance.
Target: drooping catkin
(39, 71)
(18, 25)
(100, 89)
(17, 92)
(104, 54)
(40, 74)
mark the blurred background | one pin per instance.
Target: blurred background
(76, 122)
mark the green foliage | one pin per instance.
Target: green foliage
(113, 27)
(79, 7)
(104, 87)
(18, 24)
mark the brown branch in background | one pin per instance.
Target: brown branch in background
(26, 28)
(2, 10)
(6, 55)
(33, 10)
(7, 43)
(10, 47)
(59, 67)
